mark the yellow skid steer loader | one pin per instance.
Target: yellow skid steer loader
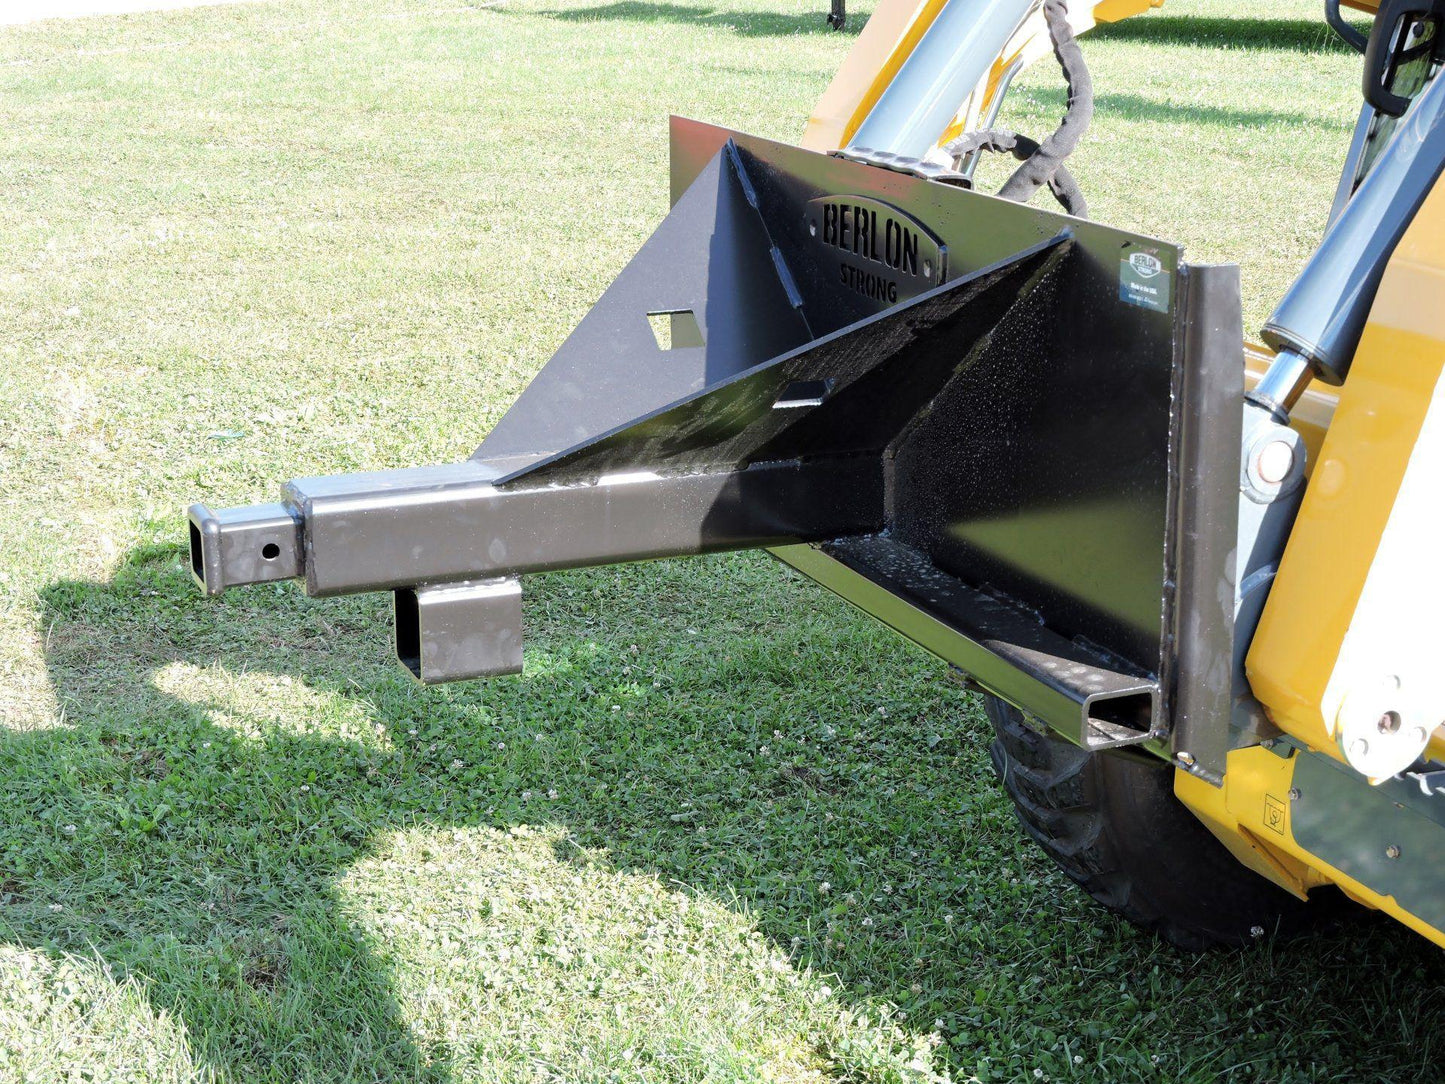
(1192, 575)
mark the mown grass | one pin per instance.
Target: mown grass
(723, 828)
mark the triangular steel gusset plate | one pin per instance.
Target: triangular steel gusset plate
(711, 258)
(767, 249)
(848, 393)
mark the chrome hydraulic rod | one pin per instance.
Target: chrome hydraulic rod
(1288, 375)
(945, 66)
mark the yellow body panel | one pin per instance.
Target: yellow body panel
(1250, 815)
(1298, 664)
(1295, 664)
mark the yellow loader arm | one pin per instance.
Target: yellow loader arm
(895, 28)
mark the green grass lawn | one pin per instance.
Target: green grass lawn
(724, 828)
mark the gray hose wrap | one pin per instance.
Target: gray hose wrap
(1061, 182)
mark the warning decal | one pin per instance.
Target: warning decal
(1273, 814)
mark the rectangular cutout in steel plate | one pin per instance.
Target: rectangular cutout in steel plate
(675, 329)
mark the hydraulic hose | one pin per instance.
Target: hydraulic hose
(1046, 161)
(1061, 182)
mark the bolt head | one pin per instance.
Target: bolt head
(1187, 759)
(1392, 851)
(1276, 460)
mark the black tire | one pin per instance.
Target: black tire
(1113, 824)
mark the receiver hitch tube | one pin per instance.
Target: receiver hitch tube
(416, 531)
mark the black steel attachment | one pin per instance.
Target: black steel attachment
(963, 414)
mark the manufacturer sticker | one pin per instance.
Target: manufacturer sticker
(1273, 814)
(880, 253)
(1144, 280)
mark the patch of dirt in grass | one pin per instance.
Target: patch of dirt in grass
(265, 971)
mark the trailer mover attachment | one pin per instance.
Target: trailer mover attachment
(984, 424)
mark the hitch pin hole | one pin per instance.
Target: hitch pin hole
(197, 564)
(270, 551)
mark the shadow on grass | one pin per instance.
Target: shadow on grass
(748, 24)
(189, 854)
(1288, 35)
(194, 837)
(1139, 107)
(208, 840)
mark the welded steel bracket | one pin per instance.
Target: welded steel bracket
(962, 414)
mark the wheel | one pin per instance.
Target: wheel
(1112, 823)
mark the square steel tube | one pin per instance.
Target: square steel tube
(371, 532)
(252, 544)
(458, 631)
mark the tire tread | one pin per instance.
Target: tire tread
(1114, 827)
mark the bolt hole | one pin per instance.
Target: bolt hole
(270, 551)
(1389, 722)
